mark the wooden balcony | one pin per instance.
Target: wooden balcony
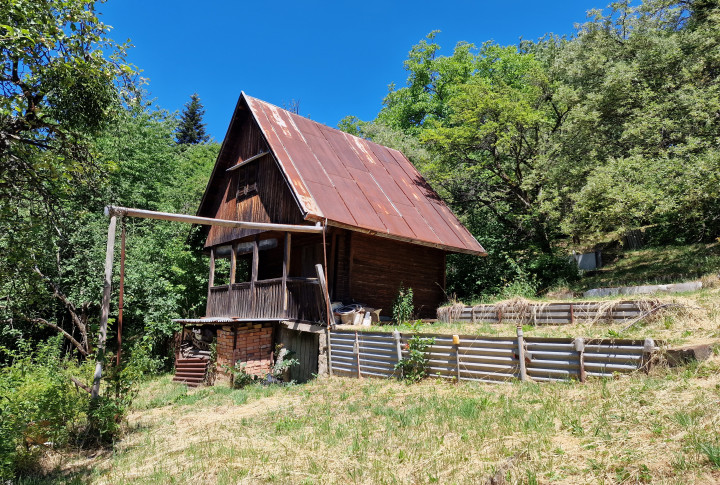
(299, 299)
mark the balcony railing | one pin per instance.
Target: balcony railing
(298, 299)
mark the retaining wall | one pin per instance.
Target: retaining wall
(490, 359)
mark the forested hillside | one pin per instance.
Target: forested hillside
(556, 141)
(539, 147)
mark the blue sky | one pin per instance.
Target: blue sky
(335, 58)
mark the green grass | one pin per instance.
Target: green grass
(659, 429)
(669, 264)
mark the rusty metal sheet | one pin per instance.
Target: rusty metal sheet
(333, 205)
(302, 155)
(324, 152)
(406, 184)
(438, 224)
(381, 153)
(305, 199)
(419, 226)
(397, 225)
(340, 146)
(357, 182)
(417, 178)
(460, 230)
(391, 189)
(361, 208)
(374, 194)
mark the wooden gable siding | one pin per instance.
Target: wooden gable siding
(378, 266)
(272, 202)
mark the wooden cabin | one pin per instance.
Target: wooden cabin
(376, 225)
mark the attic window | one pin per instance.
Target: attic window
(247, 181)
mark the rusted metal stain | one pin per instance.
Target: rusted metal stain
(355, 182)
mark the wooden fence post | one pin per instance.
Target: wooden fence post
(356, 349)
(456, 344)
(579, 344)
(329, 351)
(105, 311)
(648, 349)
(521, 353)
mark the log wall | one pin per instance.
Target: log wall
(378, 266)
(272, 202)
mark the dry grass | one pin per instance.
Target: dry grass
(691, 318)
(630, 430)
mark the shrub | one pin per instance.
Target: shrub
(39, 405)
(413, 367)
(240, 377)
(403, 309)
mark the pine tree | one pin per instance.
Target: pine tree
(191, 129)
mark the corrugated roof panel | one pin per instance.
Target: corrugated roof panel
(324, 152)
(398, 225)
(358, 183)
(333, 205)
(340, 146)
(307, 202)
(373, 192)
(361, 209)
(438, 224)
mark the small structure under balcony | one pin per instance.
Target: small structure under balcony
(382, 226)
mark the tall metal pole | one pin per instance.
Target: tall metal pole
(107, 288)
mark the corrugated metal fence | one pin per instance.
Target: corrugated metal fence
(548, 313)
(490, 359)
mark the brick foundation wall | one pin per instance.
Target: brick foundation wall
(253, 346)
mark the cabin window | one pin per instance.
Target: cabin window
(247, 181)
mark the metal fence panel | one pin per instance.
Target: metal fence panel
(486, 359)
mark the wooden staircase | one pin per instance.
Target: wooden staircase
(190, 370)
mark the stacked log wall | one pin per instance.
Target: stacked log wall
(379, 266)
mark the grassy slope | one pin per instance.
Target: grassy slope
(669, 264)
(695, 319)
(662, 429)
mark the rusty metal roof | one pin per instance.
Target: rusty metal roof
(358, 184)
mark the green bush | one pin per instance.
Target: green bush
(39, 405)
(403, 308)
(413, 367)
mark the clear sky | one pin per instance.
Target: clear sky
(336, 58)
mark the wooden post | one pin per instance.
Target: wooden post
(286, 270)
(332, 265)
(398, 345)
(122, 290)
(521, 353)
(579, 344)
(648, 349)
(323, 287)
(105, 309)
(255, 260)
(456, 344)
(233, 262)
(254, 274)
(572, 314)
(356, 349)
(329, 352)
(211, 279)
